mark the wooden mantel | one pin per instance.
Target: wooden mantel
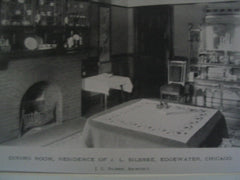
(136, 3)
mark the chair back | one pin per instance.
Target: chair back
(177, 72)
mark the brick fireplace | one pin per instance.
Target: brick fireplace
(60, 74)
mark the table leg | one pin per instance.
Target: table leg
(105, 102)
(122, 97)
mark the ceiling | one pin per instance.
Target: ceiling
(136, 3)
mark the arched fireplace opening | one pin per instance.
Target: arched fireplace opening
(40, 106)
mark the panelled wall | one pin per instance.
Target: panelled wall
(183, 15)
(122, 40)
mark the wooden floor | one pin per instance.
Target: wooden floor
(49, 135)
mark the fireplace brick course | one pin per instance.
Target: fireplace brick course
(64, 71)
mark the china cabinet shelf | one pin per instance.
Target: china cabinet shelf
(204, 65)
(217, 81)
(209, 51)
(35, 27)
(16, 55)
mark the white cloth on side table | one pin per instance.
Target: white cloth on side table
(102, 83)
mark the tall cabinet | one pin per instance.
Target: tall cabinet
(217, 83)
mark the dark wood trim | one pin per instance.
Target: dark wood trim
(170, 25)
(103, 5)
(135, 14)
(104, 62)
(98, 30)
(120, 6)
(117, 55)
(108, 4)
(39, 54)
(110, 32)
(123, 55)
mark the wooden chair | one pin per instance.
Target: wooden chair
(176, 81)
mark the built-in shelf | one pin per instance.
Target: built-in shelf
(218, 64)
(215, 65)
(16, 55)
(45, 28)
(209, 51)
(217, 81)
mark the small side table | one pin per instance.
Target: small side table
(102, 83)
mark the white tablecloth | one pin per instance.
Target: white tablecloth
(141, 124)
(102, 83)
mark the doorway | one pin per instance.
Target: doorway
(153, 47)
